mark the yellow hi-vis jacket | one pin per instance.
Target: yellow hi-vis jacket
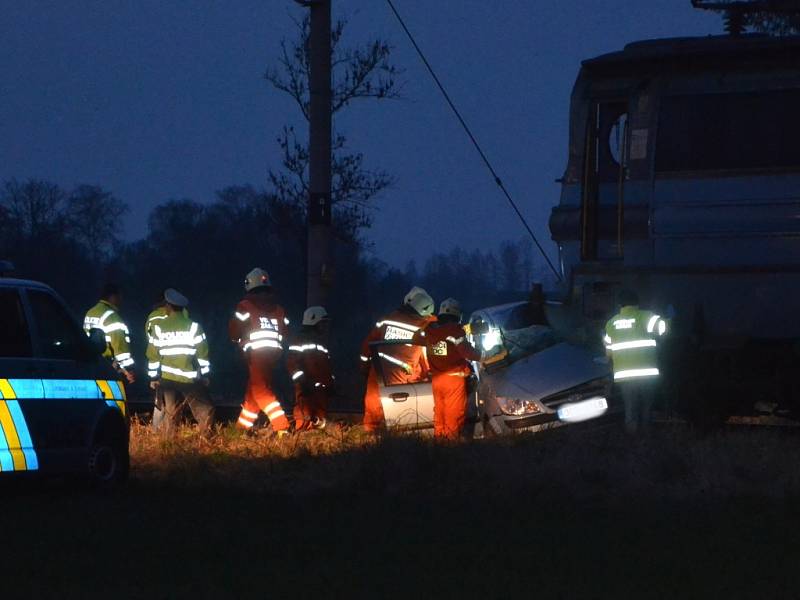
(157, 314)
(631, 339)
(178, 350)
(104, 316)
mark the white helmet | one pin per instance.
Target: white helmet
(314, 314)
(413, 292)
(421, 302)
(450, 307)
(256, 278)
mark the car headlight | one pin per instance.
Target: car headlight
(491, 339)
(517, 406)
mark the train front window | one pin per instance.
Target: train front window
(729, 132)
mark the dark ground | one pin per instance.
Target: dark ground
(675, 516)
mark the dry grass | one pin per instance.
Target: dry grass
(574, 514)
(583, 466)
(228, 457)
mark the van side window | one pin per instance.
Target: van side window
(15, 339)
(59, 336)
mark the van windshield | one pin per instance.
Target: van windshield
(741, 131)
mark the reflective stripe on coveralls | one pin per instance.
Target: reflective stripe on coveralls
(449, 355)
(259, 326)
(309, 365)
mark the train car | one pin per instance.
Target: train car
(683, 184)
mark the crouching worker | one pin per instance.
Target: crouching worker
(449, 355)
(309, 366)
(177, 354)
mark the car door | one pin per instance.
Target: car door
(77, 386)
(17, 450)
(424, 391)
(407, 404)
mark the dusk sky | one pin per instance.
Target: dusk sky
(165, 99)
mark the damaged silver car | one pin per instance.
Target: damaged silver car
(533, 379)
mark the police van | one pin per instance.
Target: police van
(62, 406)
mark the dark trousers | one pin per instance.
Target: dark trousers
(176, 394)
(638, 396)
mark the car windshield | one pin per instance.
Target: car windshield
(513, 331)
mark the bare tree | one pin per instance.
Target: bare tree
(359, 72)
(35, 206)
(95, 219)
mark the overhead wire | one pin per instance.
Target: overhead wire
(472, 138)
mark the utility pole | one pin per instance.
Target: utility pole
(320, 264)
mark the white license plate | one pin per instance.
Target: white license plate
(583, 411)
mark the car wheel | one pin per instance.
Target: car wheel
(108, 461)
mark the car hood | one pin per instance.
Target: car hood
(547, 372)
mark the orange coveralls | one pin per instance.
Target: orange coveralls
(309, 366)
(259, 326)
(449, 354)
(401, 324)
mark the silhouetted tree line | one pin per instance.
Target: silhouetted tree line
(777, 24)
(72, 240)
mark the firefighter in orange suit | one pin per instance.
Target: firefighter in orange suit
(259, 325)
(402, 363)
(449, 355)
(309, 365)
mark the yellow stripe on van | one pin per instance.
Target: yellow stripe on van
(105, 389)
(6, 391)
(11, 437)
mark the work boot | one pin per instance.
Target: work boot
(282, 434)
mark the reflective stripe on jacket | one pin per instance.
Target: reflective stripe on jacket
(104, 316)
(178, 350)
(631, 339)
(401, 363)
(308, 361)
(447, 347)
(259, 324)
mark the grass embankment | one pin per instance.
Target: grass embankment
(574, 514)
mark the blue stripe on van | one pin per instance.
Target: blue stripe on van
(27, 388)
(115, 389)
(71, 388)
(6, 462)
